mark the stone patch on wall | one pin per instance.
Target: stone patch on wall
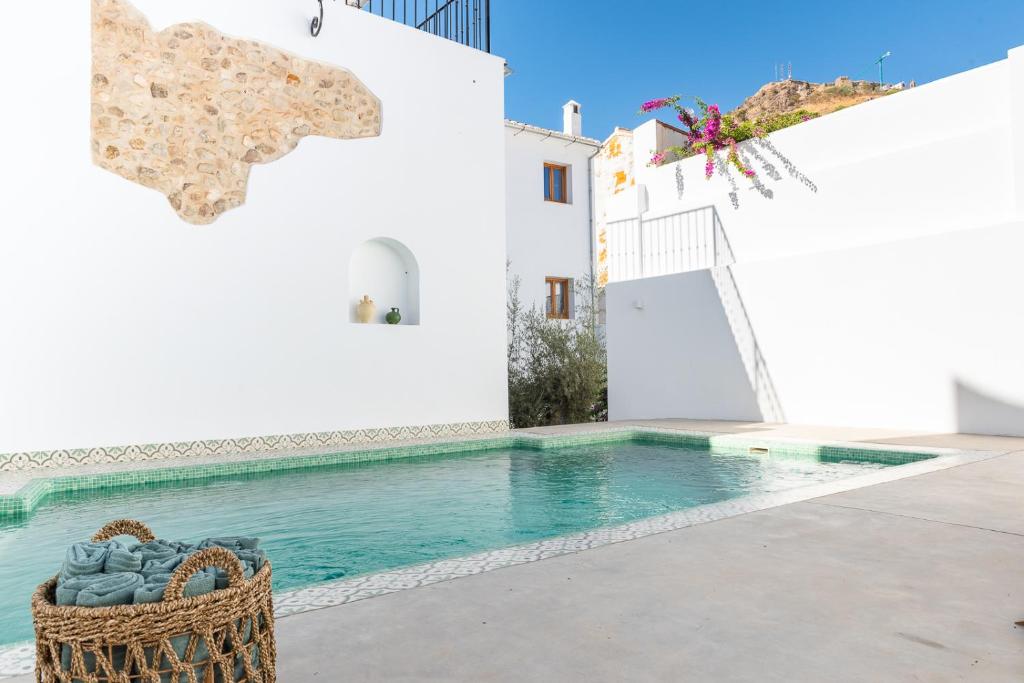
(187, 111)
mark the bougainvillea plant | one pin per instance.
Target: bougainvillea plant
(706, 134)
(710, 132)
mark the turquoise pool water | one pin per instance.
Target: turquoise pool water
(340, 521)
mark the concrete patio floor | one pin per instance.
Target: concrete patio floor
(918, 579)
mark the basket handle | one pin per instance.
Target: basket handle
(221, 558)
(124, 527)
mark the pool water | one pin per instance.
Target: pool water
(341, 521)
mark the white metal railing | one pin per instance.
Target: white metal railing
(677, 243)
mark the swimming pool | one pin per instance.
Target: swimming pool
(325, 523)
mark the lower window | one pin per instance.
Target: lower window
(558, 296)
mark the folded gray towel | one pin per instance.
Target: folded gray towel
(86, 558)
(163, 566)
(223, 581)
(122, 560)
(256, 558)
(231, 542)
(112, 589)
(69, 588)
(153, 590)
(157, 549)
(97, 590)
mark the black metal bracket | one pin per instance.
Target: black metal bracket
(318, 22)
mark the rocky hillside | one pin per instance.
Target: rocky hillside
(783, 97)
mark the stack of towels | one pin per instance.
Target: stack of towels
(112, 573)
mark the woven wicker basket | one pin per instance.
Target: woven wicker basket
(226, 635)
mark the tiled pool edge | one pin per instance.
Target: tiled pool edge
(18, 659)
(29, 496)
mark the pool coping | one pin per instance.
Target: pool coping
(18, 659)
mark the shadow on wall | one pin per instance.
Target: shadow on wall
(980, 413)
(746, 151)
(743, 334)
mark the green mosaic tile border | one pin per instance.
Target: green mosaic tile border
(736, 445)
(37, 491)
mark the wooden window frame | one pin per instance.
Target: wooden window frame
(552, 284)
(550, 195)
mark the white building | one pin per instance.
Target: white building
(125, 325)
(549, 210)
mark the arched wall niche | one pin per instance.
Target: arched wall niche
(386, 270)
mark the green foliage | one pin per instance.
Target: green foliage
(745, 130)
(764, 126)
(557, 369)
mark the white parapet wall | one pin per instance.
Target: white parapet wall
(877, 277)
(123, 324)
(944, 156)
(924, 334)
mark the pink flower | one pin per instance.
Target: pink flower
(711, 130)
(658, 159)
(749, 173)
(651, 105)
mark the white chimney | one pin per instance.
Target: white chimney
(572, 119)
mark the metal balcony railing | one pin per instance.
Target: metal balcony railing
(648, 247)
(464, 21)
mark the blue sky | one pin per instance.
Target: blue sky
(611, 55)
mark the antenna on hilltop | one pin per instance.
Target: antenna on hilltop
(881, 80)
(790, 72)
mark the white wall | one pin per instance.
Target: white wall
(546, 238)
(649, 321)
(1016, 138)
(122, 324)
(924, 334)
(936, 158)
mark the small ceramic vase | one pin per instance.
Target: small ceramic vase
(366, 309)
(394, 317)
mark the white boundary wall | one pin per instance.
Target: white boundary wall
(924, 334)
(891, 297)
(121, 324)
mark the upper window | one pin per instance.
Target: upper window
(556, 185)
(558, 295)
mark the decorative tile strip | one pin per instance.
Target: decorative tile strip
(16, 462)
